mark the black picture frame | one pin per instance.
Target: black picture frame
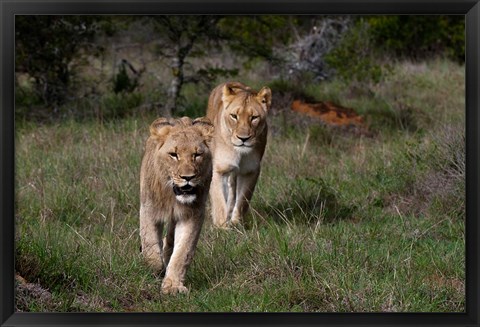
(8, 10)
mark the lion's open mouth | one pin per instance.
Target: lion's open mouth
(184, 190)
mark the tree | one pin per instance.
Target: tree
(257, 36)
(182, 37)
(179, 37)
(45, 49)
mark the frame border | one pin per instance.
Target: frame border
(10, 8)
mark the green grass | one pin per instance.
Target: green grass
(340, 223)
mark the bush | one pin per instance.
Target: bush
(122, 82)
(307, 56)
(420, 37)
(120, 105)
(356, 58)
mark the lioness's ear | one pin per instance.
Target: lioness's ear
(205, 127)
(160, 128)
(264, 96)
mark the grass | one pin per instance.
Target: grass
(339, 222)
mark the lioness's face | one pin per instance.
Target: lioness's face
(244, 116)
(186, 154)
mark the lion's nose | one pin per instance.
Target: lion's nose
(243, 139)
(187, 177)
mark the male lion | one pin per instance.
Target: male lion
(239, 115)
(174, 181)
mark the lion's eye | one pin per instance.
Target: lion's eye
(196, 155)
(233, 116)
(254, 118)
(173, 155)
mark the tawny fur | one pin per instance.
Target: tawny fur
(177, 154)
(239, 115)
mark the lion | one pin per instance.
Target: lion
(175, 178)
(239, 115)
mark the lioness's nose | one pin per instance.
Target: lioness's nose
(243, 139)
(187, 177)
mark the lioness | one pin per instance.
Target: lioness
(239, 115)
(174, 181)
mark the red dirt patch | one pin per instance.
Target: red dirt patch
(329, 112)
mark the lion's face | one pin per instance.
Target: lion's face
(185, 152)
(244, 115)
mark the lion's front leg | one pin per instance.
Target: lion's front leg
(168, 242)
(187, 233)
(245, 187)
(151, 237)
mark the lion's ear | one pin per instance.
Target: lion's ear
(264, 96)
(160, 128)
(205, 127)
(229, 90)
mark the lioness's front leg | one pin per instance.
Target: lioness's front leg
(231, 181)
(151, 236)
(218, 200)
(187, 233)
(245, 187)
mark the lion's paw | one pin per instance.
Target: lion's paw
(155, 264)
(235, 221)
(171, 287)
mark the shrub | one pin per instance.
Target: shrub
(120, 105)
(420, 37)
(122, 82)
(306, 58)
(356, 58)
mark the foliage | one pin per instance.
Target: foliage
(257, 36)
(309, 52)
(355, 58)
(123, 82)
(55, 53)
(46, 48)
(120, 105)
(184, 37)
(180, 37)
(420, 37)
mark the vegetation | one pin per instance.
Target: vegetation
(347, 219)
(364, 67)
(52, 52)
(45, 48)
(355, 224)
(420, 36)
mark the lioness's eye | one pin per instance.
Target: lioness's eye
(173, 155)
(196, 155)
(233, 116)
(254, 117)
